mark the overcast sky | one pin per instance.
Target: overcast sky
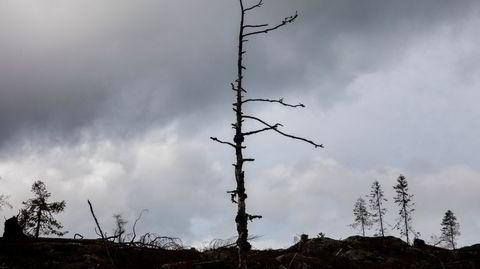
(115, 101)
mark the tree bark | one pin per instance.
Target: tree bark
(241, 218)
(452, 239)
(380, 215)
(405, 216)
(37, 229)
(363, 228)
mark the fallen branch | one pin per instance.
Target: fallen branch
(96, 221)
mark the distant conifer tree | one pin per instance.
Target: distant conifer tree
(376, 199)
(119, 232)
(361, 215)
(404, 201)
(450, 229)
(4, 201)
(37, 214)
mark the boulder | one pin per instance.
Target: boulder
(419, 243)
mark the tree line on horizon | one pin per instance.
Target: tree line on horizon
(37, 215)
(373, 214)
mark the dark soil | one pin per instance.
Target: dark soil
(352, 253)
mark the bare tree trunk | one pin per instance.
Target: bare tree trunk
(363, 228)
(406, 217)
(452, 239)
(241, 218)
(239, 195)
(380, 216)
(37, 229)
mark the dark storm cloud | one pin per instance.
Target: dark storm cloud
(334, 42)
(108, 68)
(120, 67)
(75, 69)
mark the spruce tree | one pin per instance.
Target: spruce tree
(404, 200)
(361, 215)
(37, 214)
(4, 201)
(450, 229)
(376, 199)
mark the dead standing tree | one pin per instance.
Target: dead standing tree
(239, 195)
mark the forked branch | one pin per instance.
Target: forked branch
(259, 4)
(282, 133)
(284, 22)
(263, 130)
(280, 101)
(233, 195)
(223, 142)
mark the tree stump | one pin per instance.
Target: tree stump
(13, 230)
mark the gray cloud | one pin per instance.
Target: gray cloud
(69, 67)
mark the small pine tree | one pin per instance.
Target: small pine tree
(404, 201)
(450, 229)
(4, 201)
(361, 216)
(119, 232)
(376, 199)
(37, 214)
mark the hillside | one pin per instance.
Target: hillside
(353, 252)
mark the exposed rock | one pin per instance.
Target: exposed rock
(195, 265)
(318, 253)
(419, 243)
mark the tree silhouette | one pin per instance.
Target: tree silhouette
(239, 195)
(362, 218)
(119, 232)
(376, 199)
(37, 213)
(450, 229)
(404, 201)
(4, 201)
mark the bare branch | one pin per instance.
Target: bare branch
(252, 217)
(284, 134)
(217, 244)
(284, 22)
(77, 235)
(223, 142)
(135, 224)
(235, 89)
(259, 4)
(96, 221)
(104, 240)
(280, 101)
(233, 196)
(255, 25)
(262, 130)
(248, 160)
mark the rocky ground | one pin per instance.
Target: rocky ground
(353, 252)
